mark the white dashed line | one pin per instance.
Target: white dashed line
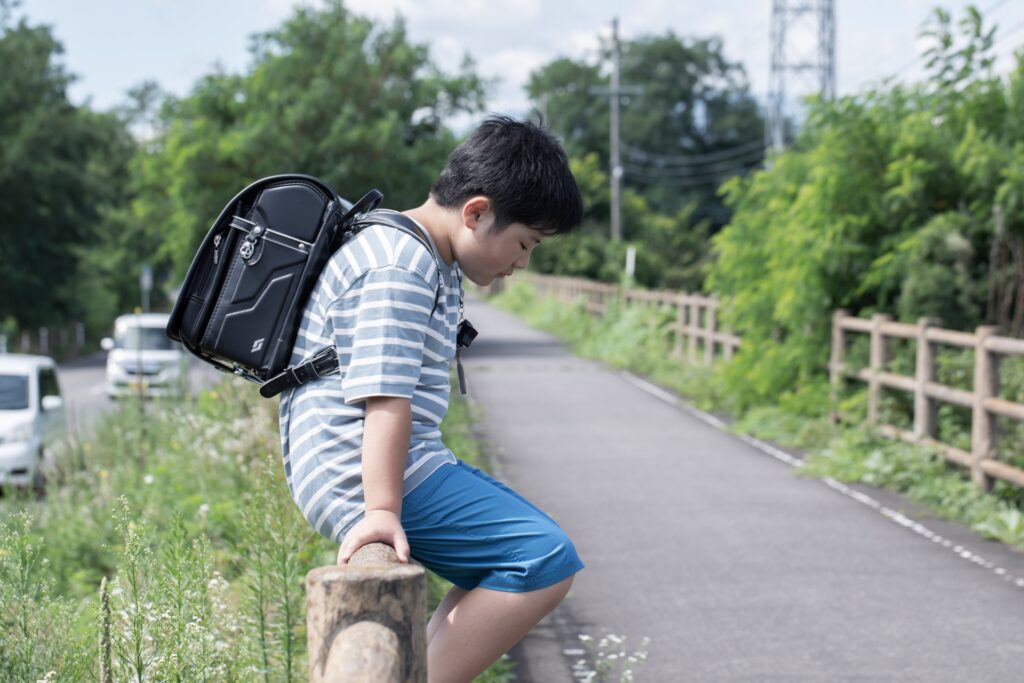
(860, 497)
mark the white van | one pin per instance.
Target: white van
(31, 417)
(142, 359)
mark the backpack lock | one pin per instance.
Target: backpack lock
(249, 251)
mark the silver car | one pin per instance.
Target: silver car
(141, 359)
(31, 418)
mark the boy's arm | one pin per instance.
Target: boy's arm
(386, 431)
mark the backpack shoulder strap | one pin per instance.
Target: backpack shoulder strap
(401, 222)
(325, 361)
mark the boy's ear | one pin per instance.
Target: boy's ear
(476, 212)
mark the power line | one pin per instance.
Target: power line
(685, 179)
(754, 157)
(696, 159)
(885, 57)
(991, 8)
(1009, 32)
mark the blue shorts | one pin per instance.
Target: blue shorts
(474, 531)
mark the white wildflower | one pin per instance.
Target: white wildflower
(148, 479)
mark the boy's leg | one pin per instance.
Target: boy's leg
(443, 608)
(482, 625)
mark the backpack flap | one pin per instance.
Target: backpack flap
(277, 250)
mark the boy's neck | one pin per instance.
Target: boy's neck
(440, 223)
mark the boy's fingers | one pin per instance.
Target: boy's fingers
(402, 547)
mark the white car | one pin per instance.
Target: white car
(142, 360)
(31, 417)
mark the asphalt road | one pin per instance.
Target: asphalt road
(736, 568)
(82, 382)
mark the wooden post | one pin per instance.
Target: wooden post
(692, 331)
(879, 357)
(835, 366)
(677, 347)
(924, 408)
(711, 319)
(366, 621)
(983, 425)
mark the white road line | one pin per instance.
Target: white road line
(862, 498)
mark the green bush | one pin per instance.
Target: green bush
(185, 510)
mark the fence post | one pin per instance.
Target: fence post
(44, 341)
(983, 425)
(692, 330)
(677, 347)
(711, 320)
(3, 343)
(879, 357)
(26, 342)
(835, 366)
(366, 622)
(924, 408)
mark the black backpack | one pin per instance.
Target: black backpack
(241, 303)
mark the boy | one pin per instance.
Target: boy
(363, 454)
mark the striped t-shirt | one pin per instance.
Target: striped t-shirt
(373, 302)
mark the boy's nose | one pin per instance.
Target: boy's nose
(522, 261)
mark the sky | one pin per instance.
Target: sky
(111, 45)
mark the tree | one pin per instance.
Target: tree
(329, 93)
(900, 199)
(54, 176)
(694, 124)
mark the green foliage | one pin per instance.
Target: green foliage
(61, 169)
(671, 249)
(186, 509)
(328, 93)
(87, 197)
(921, 473)
(694, 102)
(1006, 527)
(634, 338)
(886, 203)
(37, 626)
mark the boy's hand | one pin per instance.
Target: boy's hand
(377, 525)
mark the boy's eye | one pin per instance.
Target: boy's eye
(523, 246)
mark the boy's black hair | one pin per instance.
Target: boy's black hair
(521, 168)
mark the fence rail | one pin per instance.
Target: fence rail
(695, 331)
(983, 400)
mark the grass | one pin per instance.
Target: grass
(637, 338)
(184, 510)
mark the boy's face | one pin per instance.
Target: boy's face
(485, 254)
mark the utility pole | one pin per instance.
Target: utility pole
(615, 160)
(799, 22)
(615, 93)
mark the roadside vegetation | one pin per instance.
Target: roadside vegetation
(637, 338)
(182, 515)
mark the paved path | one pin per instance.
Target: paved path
(737, 569)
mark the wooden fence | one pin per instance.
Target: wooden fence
(984, 401)
(696, 328)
